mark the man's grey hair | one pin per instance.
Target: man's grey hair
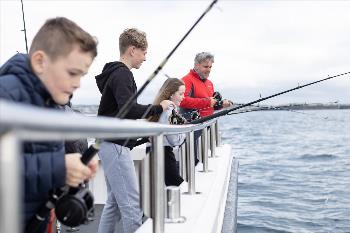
(203, 56)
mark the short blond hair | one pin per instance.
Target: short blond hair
(58, 36)
(132, 37)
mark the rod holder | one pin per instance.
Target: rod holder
(173, 204)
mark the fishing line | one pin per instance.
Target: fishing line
(127, 106)
(277, 109)
(24, 28)
(230, 109)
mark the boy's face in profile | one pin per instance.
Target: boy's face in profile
(62, 76)
(138, 57)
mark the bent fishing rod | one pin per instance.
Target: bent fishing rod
(234, 108)
(24, 28)
(127, 106)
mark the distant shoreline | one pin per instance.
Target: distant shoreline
(315, 106)
(92, 109)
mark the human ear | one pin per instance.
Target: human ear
(132, 50)
(38, 62)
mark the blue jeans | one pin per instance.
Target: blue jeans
(123, 201)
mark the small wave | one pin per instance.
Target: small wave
(232, 129)
(242, 228)
(318, 157)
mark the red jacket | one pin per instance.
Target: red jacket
(197, 94)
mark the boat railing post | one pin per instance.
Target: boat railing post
(204, 146)
(217, 133)
(158, 187)
(190, 163)
(182, 162)
(199, 148)
(212, 140)
(145, 177)
(10, 188)
(208, 139)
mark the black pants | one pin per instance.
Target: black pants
(196, 135)
(171, 167)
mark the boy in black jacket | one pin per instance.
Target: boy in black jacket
(116, 84)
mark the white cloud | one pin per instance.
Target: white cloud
(259, 46)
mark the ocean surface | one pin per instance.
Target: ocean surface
(294, 170)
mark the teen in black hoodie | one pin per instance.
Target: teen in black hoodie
(116, 84)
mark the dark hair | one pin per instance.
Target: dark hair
(132, 37)
(58, 36)
(170, 86)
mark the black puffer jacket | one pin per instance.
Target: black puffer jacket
(43, 163)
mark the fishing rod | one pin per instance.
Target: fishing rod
(24, 27)
(233, 108)
(127, 106)
(277, 109)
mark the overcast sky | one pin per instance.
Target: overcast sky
(260, 47)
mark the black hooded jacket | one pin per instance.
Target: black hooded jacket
(116, 84)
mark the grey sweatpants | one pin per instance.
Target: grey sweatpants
(123, 202)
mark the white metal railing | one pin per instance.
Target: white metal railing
(20, 122)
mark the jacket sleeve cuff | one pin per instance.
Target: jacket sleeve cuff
(59, 171)
(158, 109)
(208, 102)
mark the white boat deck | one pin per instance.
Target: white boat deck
(204, 212)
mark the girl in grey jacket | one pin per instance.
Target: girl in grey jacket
(173, 89)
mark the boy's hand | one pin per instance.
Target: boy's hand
(93, 165)
(166, 103)
(76, 171)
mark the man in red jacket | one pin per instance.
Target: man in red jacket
(199, 93)
(199, 89)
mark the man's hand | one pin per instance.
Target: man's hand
(226, 103)
(76, 171)
(212, 101)
(166, 103)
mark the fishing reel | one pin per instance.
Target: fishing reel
(195, 115)
(176, 118)
(73, 207)
(219, 102)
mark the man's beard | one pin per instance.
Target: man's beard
(202, 77)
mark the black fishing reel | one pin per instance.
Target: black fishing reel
(219, 102)
(176, 118)
(73, 208)
(195, 115)
(72, 205)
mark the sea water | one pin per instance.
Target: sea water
(294, 170)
